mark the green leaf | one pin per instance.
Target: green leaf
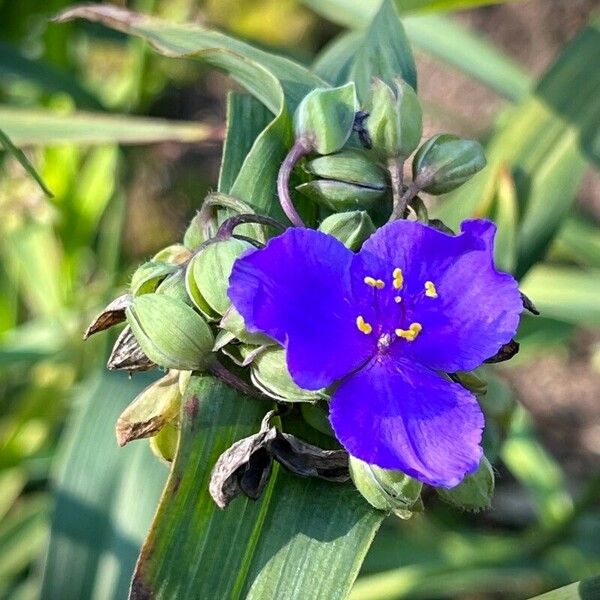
(454, 44)
(301, 535)
(578, 241)
(436, 35)
(246, 118)
(587, 589)
(534, 468)
(540, 144)
(357, 13)
(256, 70)
(384, 53)
(28, 127)
(568, 294)
(105, 498)
(24, 162)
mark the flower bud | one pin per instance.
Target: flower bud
(151, 410)
(148, 276)
(174, 286)
(340, 196)
(195, 233)
(349, 166)
(325, 117)
(233, 322)
(177, 254)
(385, 489)
(475, 492)
(170, 332)
(207, 276)
(445, 162)
(269, 373)
(351, 228)
(395, 122)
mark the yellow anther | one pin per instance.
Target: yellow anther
(430, 290)
(363, 325)
(398, 278)
(375, 283)
(411, 333)
(397, 299)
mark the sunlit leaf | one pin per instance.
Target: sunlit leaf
(275, 547)
(34, 126)
(105, 498)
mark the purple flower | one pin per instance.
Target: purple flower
(384, 325)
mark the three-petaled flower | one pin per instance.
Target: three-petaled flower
(385, 325)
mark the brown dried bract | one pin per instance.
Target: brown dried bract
(113, 314)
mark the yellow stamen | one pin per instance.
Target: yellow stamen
(398, 279)
(411, 333)
(363, 325)
(375, 283)
(430, 290)
(397, 299)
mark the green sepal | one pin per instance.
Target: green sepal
(269, 373)
(164, 443)
(316, 415)
(148, 276)
(170, 332)
(339, 196)
(207, 276)
(349, 166)
(195, 234)
(351, 228)
(233, 322)
(325, 117)
(176, 254)
(174, 286)
(475, 492)
(445, 162)
(395, 121)
(384, 489)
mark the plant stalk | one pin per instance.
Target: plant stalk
(298, 150)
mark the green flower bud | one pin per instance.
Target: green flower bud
(148, 276)
(269, 374)
(445, 162)
(195, 234)
(207, 276)
(170, 332)
(349, 166)
(339, 196)
(176, 254)
(233, 322)
(151, 410)
(395, 122)
(475, 492)
(385, 489)
(325, 117)
(471, 382)
(351, 228)
(164, 443)
(174, 286)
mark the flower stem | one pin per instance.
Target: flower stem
(400, 200)
(298, 150)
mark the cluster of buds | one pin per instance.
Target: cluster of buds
(366, 171)
(179, 316)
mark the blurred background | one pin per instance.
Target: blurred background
(129, 143)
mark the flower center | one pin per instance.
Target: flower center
(409, 334)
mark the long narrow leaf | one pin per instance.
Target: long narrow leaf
(105, 498)
(301, 535)
(29, 127)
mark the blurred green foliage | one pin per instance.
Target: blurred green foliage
(62, 259)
